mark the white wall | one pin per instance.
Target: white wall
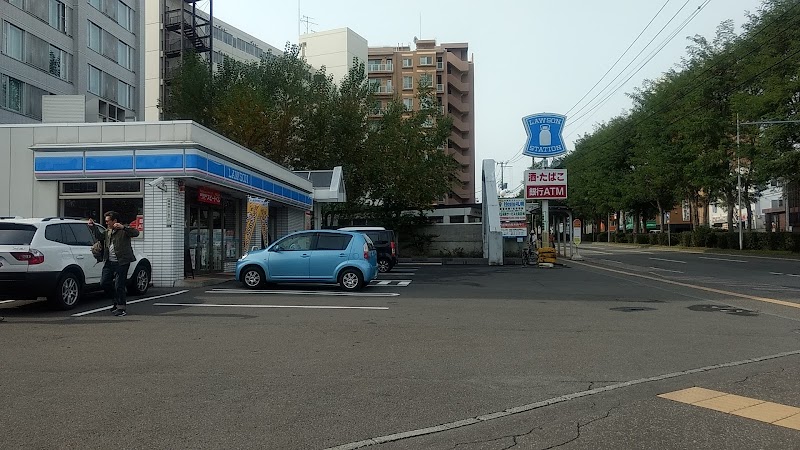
(334, 49)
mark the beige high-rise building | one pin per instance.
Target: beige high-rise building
(396, 71)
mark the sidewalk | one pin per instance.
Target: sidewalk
(206, 279)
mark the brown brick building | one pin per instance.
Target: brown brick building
(396, 72)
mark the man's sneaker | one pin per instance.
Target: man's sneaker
(120, 313)
(114, 308)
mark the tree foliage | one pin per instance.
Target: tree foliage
(296, 116)
(679, 140)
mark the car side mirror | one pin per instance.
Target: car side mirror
(276, 248)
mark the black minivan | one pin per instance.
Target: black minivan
(385, 243)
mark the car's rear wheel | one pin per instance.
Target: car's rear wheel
(140, 281)
(351, 280)
(68, 291)
(253, 277)
(384, 265)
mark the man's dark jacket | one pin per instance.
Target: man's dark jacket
(122, 243)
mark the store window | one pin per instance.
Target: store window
(91, 199)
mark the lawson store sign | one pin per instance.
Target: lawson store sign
(52, 165)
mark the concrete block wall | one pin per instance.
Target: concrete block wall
(453, 236)
(164, 223)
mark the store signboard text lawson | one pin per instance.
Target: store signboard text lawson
(546, 184)
(210, 196)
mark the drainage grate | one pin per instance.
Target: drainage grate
(724, 309)
(632, 309)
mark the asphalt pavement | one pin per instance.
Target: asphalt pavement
(589, 354)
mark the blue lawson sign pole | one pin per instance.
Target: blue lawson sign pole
(545, 140)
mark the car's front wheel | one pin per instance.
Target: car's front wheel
(253, 277)
(351, 280)
(68, 291)
(140, 281)
(384, 265)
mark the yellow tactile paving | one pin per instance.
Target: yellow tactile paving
(751, 408)
(692, 395)
(790, 422)
(728, 403)
(768, 412)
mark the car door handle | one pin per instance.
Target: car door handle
(79, 257)
(305, 255)
(342, 255)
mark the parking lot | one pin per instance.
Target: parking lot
(423, 351)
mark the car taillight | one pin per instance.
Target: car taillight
(394, 250)
(33, 256)
(366, 251)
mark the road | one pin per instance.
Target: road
(593, 354)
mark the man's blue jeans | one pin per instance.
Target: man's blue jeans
(115, 274)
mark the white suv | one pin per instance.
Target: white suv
(52, 257)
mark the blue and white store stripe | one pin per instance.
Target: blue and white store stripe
(192, 163)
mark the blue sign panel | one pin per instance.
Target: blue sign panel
(544, 135)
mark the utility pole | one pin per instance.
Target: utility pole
(503, 165)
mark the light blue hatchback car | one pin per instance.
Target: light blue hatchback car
(312, 256)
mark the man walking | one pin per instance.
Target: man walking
(117, 257)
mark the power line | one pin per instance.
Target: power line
(650, 56)
(662, 107)
(634, 58)
(618, 59)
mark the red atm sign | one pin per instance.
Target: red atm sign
(546, 184)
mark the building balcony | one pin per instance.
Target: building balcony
(459, 124)
(380, 68)
(455, 102)
(382, 89)
(458, 141)
(455, 81)
(457, 63)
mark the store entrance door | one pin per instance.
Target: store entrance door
(204, 238)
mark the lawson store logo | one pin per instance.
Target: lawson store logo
(168, 162)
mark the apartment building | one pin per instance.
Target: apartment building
(70, 47)
(181, 26)
(396, 72)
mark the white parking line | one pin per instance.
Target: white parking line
(668, 260)
(419, 264)
(7, 301)
(334, 293)
(211, 305)
(106, 308)
(390, 282)
(722, 259)
(665, 270)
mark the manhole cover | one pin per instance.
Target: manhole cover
(632, 309)
(725, 309)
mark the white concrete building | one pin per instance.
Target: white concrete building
(185, 187)
(334, 49)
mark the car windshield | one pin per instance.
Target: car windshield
(16, 234)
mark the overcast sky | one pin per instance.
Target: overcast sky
(529, 56)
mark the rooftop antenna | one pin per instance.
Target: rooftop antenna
(307, 21)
